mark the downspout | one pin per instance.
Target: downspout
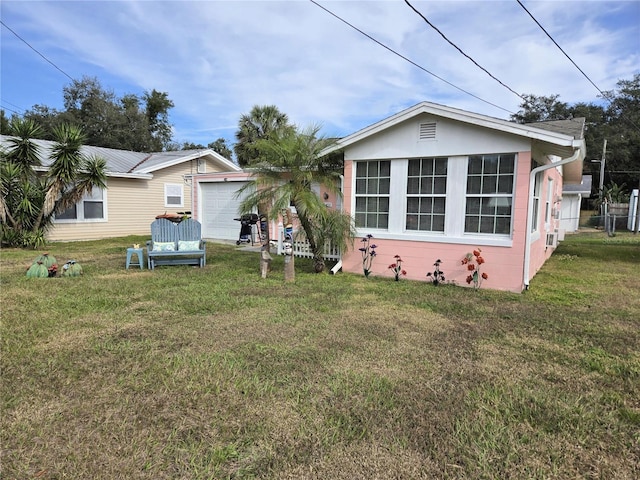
(532, 179)
(336, 268)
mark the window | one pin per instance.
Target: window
(173, 195)
(535, 212)
(426, 194)
(547, 207)
(489, 196)
(90, 208)
(373, 180)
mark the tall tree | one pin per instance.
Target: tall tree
(29, 200)
(158, 105)
(289, 164)
(623, 133)
(262, 123)
(127, 123)
(4, 122)
(220, 146)
(541, 108)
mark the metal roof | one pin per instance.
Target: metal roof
(583, 187)
(127, 163)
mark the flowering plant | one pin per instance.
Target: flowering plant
(437, 276)
(474, 261)
(368, 252)
(397, 268)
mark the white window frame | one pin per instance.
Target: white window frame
(535, 211)
(548, 204)
(370, 196)
(170, 190)
(96, 195)
(455, 205)
(426, 193)
(492, 195)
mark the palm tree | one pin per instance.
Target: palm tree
(30, 199)
(261, 123)
(289, 165)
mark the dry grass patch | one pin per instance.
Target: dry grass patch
(187, 373)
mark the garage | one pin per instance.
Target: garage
(219, 208)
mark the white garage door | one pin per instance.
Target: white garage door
(219, 208)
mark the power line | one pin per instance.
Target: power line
(408, 59)
(11, 110)
(13, 105)
(28, 45)
(463, 53)
(565, 53)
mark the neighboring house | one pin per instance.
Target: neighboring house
(434, 182)
(572, 195)
(140, 186)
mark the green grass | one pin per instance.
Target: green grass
(189, 373)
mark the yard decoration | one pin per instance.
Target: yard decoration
(71, 269)
(397, 268)
(474, 261)
(368, 252)
(49, 261)
(38, 270)
(437, 276)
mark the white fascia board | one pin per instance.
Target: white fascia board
(200, 154)
(140, 176)
(461, 116)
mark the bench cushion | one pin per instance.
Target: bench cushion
(164, 246)
(188, 245)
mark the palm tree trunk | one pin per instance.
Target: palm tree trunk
(316, 250)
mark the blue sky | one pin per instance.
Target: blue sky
(216, 60)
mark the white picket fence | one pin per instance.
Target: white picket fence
(301, 246)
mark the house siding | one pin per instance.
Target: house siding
(132, 204)
(504, 258)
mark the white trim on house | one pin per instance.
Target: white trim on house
(193, 155)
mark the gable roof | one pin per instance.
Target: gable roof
(559, 138)
(583, 188)
(124, 163)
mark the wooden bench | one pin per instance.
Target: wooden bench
(176, 244)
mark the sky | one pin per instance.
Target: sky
(218, 59)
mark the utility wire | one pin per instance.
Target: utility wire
(10, 109)
(408, 59)
(12, 104)
(28, 45)
(565, 53)
(463, 53)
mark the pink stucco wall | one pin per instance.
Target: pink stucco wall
(504, 265)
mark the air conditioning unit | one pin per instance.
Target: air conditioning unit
(552, 239)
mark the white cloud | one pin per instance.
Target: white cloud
(218, 59)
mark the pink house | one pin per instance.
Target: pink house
(434, 182)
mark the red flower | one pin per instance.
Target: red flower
(476, 253)
(393, 265)
(480, 260)
(485, 276)
(471, 267)
(470, 279)
(465, 261)
(404, 272)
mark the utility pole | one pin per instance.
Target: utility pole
(604, 153)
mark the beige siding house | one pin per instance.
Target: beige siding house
(140, 186)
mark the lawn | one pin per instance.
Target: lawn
(188, 373)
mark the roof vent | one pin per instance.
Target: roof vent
(427, 131)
